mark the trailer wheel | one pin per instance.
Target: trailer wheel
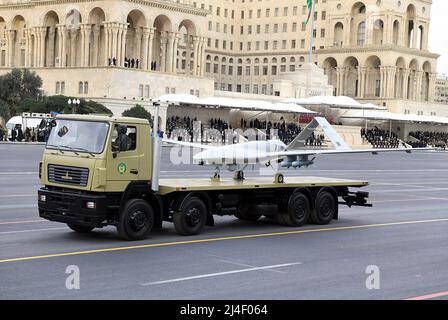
(136, 220)
(248, 212)
(297, 212)
(325, 208)
(80, 228)
(190, 220)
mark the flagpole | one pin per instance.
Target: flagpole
(310, 58)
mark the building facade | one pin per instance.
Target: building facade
(442, 90)
(373, 50)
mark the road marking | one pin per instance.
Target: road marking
(18, 173)
(249, 236)
(430, 296)
(31, 230)
(18, 206)
(217, 274)
(23, 221)
(18, 195)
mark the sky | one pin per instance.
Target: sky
(438, 34)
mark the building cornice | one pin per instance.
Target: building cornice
(160, 4)
(384, 48)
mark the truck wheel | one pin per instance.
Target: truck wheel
(248, 212)
(136, 220)
(325, 208)
(80, 228)
(190, 220)
(297, 211)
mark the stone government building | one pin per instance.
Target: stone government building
(374, 50)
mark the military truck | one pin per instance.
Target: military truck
(99, 171)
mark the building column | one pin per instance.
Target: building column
(50, 56)
(62, 31)
(195, 55)
(42, 33)
(106, 43)
(176, 36)
(150, 46)
(405, 85)
(96, 45)
(419, 84)
(138, 45)
(86, 29)
(432, 86)
(35, 35)
(145, 39)
(121, 44)
(391, 82)
(163, 53)
(73, 35)
(169, 52)
(27, 48)
(414, 38)
(202, 53)
(10, 37)
(114, 42)
(383, 81)
(339, 81)
(362, 82)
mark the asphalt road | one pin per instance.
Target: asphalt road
(404, 237)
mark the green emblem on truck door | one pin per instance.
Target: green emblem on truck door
(121, 168)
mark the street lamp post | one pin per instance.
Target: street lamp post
(74, 102)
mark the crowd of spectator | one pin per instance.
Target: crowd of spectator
(187, 123)
(286, 131)
(427, 138)
(130, 63)
(17, 134)
(380, 138)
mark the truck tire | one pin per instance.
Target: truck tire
(297, 211)
(324, 209)
(248, 212)
(136, 220)
(80, 228)
(191, 218)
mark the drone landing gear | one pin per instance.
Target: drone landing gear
(239, 175)
(216, 176)
(279, 178)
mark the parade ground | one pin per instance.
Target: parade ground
(402, 241)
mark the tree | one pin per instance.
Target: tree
(60, 104)
(18, 85)
(138, 112)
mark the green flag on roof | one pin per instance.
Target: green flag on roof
(309, 4)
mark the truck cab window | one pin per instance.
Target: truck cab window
(124, 138)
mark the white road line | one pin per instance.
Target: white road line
(18, 206)
(18, 195)
(217, 274)
(398, 191)
(18, 173)
(31, 230)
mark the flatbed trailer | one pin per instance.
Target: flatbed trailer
(87, 189)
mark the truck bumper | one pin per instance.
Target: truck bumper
(72, 208)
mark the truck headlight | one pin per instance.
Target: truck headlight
(91, 205)
(42, 198)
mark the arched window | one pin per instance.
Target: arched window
(80, 87)
(86, 87)
(361, 35)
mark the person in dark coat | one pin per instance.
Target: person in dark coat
(19, 134)
(13, 135)
(1, 133)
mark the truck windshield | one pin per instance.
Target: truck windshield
(78, 136)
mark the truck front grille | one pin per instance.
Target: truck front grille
(68, 175)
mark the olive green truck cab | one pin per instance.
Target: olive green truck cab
(98, 171)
